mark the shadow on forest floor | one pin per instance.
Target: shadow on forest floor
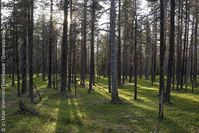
(85, 113)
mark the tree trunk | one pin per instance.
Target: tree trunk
(114, 96)
(154, 52)
(50, 47)
(23, 55)
(196, 49)
(0, 42)
(119, 44)
(43, 49)
(92, 69)
(83, 49)
(13, 63)
(162, 54)
(135, 54)
(171, 52)
(64, 49)
(192, 55)
(30, 52)
(109, 62)
(179, 45)
(184, 48)
(70, 48)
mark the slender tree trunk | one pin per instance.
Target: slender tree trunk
(154, 54)
(23, 55)
(196, 49)
(30, 48)
(140, 61)
(74, 59)
(43, 48)
(13, 64)
(187, 45)
(135, 54)
(97, 59)
(16, 49)
(179, 46)
(109, 62)
(53, 60)
(0, 43)
(119, 44)
(56, 64)
(50, 47)
(147, 50)
(17, 62)
(125, 64)
(92, 69)
(184, 48)
(83, 50)
(64, 49)
(70, 48)
(191, 54)
(171, 52)
(162, 54)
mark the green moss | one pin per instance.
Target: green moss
(87, 113)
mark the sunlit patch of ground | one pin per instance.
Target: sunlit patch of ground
(93, 113)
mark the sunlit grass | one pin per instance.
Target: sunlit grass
(93, 112)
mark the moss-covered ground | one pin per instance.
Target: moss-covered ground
(93, 113)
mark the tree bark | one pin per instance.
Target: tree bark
(119, 44)
(92, 69)
(114, 95)
(64, 49)
(83, 49)
(50, 47)
(135, 54)
(43, 48)
(70, 48)
(23, 55)
(171, 52)
(30, 52)
(162, 54)
(195, 49)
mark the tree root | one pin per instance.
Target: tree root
(117, 101)
(24, 108)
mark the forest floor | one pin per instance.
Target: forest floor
(93, 113)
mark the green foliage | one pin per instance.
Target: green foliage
(64, 113)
